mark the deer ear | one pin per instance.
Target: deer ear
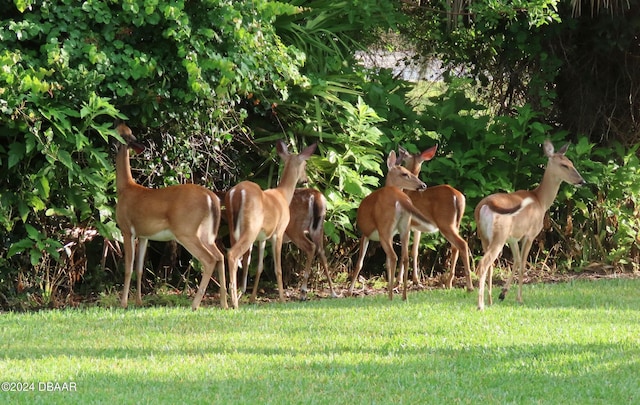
(548, 148)
(402, 155)
(281, 148)
(402, 152)
(563, 150)
(308, 151)
(391, 160)
(429, 153)
(137, 147)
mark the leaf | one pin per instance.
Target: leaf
(32, 232)
(35, 256)
(65, 158)
(23, 210)
(36, 203)
(582, 206)
(19, 247)
(353, 187)
(43, 186)
(16, 153)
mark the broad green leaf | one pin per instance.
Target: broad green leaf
(16, 153)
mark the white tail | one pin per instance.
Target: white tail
(385, 213)
(257, 215)
(444, 207)
(187, 213)
(517, 218)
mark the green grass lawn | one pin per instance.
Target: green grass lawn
(570, 343)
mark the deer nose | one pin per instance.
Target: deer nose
(421, 187)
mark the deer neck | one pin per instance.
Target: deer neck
(390, 182)
(288, 182)
(123, 169)
(547, 191)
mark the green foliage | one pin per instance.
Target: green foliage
(352, 167)
(502, 47)
(606, 221)
(173, 67)
(328, 32)
(578, 69)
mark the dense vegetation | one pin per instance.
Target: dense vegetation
(210, 85)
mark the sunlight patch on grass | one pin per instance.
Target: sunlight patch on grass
(575, 341)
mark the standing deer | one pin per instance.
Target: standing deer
(517, 218)
(257, 215)
(308, 209)
(307, 213)
(444, 207)
(387, 212)
(187, 213)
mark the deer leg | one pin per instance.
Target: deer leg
(233, 255)
(325, 266)
(246, 260)
(414, 255)
(526, 246)
(233, 284)
(276, 248)
(210, 257)
(452, 270)
(482, 269)
(404, 249)
(261, 245)
(364, 244)
(142, 249)
(207, 271)
(392, 261)
(223, 283)
(129, 247)
(458, 245)
(467, 267)
(515, 250)
(485, 267)
(305, 276)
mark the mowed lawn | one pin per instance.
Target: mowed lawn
(569, 343)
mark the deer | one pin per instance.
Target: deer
(383, 214)
(186, 213)
(444, 207)
(259, 215)
(307, 213)
(307, 210)
(517, 218)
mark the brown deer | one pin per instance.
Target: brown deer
(444, 207)
(257, 215)
(187, 213)
(517, 218)
(307, 213)
(308, 209)
(387, 212)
